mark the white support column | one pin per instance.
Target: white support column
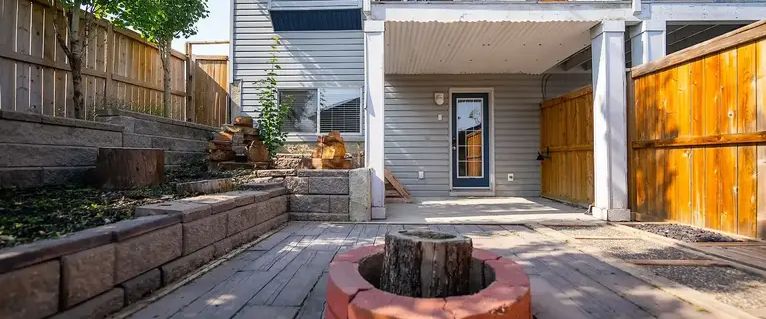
(610, 149)
(374, 46)
(647, 41)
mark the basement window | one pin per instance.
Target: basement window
(319, 111)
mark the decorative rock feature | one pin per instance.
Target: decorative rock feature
(95, 272)
(352, 291)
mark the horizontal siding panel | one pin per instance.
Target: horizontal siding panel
(308, 59)
(417, 141)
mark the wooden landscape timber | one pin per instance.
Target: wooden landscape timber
(698, 135)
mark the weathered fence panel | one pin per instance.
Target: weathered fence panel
(566, 141)
(698, 148)
(121, 69)
(210, 89)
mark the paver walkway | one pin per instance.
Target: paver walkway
(284, 276)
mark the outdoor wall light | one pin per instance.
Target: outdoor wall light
(439, 98)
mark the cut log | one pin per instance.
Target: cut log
(126, 168)
(426, 264)
(244, 121)
(257, 152)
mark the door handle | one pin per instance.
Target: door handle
(454, 144)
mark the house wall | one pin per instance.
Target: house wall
(415, 139)
(309, 59)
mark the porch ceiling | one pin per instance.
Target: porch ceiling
(481, 47)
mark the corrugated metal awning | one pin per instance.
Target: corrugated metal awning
(482, 47)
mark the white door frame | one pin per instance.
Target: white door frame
(473, 191)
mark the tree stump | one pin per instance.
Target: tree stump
(426, 264)
(126, 168)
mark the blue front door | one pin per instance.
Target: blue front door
(470, 140)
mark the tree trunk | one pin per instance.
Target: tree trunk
(75, 62)
(426, 264)
(165, 57)
(126, 168)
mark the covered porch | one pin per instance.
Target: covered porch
(454, 107)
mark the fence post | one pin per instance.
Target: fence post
(191, 115)
(110, 59)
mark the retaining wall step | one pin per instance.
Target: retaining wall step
(324, 217)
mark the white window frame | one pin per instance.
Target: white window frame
(484, 131)
(311, 137)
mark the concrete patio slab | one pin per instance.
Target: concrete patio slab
(484, 210)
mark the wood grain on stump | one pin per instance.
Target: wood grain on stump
(426, 264)
(126, 168)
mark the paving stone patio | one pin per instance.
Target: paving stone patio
(284, 276)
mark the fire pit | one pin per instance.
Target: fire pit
(494, 287)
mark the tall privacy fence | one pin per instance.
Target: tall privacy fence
(698, 135)
(120, 70)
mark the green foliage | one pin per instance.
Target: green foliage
(160, 21)
(273, 111)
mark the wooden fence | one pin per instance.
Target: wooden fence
(210, 93)
(121, 69)
(698, 135)
(566, 142)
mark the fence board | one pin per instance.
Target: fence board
(120, 68)
(567, 132)
(707, 157)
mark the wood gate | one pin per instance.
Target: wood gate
(566, 145)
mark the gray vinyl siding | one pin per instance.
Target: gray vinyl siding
(309, 59)
(415, 139)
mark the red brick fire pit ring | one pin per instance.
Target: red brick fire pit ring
(502, 291)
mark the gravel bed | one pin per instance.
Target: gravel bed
(728, 285)
(587, 231)
(638, 249)
(684, 233)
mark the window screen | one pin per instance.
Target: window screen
(303, 115)
(340, 110)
